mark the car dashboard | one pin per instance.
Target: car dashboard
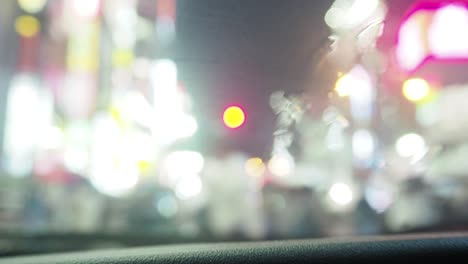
(386, 249)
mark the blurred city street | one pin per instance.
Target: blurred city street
(164, 121)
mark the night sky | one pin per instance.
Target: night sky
(239, 51)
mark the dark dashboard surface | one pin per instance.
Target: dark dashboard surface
(392, 249)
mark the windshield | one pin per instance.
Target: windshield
(137, 122)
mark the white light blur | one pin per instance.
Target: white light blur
(123, 19)
(52, 138)
(348, 14)
(361, 10)
(135, 147)
(363, 144)
(113, 169)
(167, 206)
(341, 194)
(281, 164)
(170, 121)
(173, 127)
(114, 182)
(188, 187)
(76, 152)
(180, 164)
(135, 107)
(188, 126)
(76, 158)
(185, 161)
(447, 34)
(164, 79)
(334, 16)
(105, 134)
(86, 8)
(32, 6)
(379, 199)
(23, 121)
(410, 50)
(361, 93)
(411, 146)
(141, 67)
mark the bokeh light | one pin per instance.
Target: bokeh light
(234, 117)
(416, 89)
(380, 198)
(184, 160)
(115, 183)
(24, 102)
(32, 6)
(188, 187)
(86, 9)
(181, 167)
(447, 37)
(281, 164)
(341, 194)
(343, 85)
(410, 145)
(52, 138)
(363, 144)
(410, 50)
(27, 26)
(362, 93)
(255, 167)
(167, 206)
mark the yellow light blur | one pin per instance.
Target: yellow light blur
(117, 116)
(27, 26)
(115, 113)
(122, 58)
(416, 89)
(32, 6)
(343, 85)
(234, 117)
(83, 48)
(144, 166)
(255, 167)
